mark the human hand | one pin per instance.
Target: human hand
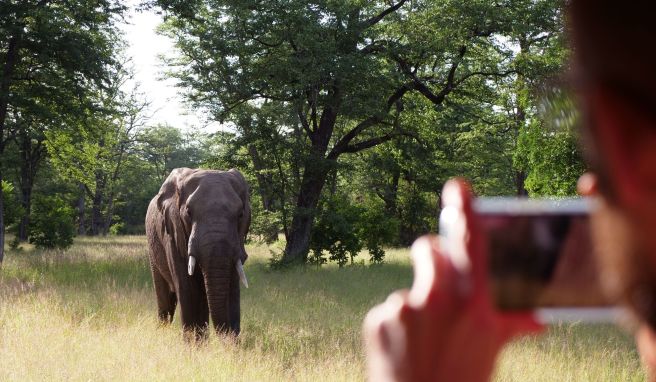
(445, 327)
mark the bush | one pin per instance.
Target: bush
(52, 223)
(343, 229)
(12, 206)
(265, 225)
(116, 228)
(335, 232)
(377, 228)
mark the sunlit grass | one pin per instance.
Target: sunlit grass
(89, 314)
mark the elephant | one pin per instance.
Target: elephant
(196, 228)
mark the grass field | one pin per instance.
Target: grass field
(89, 314)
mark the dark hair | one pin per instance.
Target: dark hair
(612, 44)
(613, 47)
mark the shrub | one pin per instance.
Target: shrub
(335, 232)
(52, 223)
(12, 207)
(377, 228)
(116, 228)
(343, 229)
(265, 225)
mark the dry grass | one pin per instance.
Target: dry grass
(89, 314)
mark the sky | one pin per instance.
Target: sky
(167, 107)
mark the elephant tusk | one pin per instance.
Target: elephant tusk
(242, 275)
(192, 265)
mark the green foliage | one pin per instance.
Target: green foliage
(347, 76)
(330, 111)
(417, 215)
(376, 229)
(52, 223)
(116, 228)
(265, 224)
(59, 61)
(344, 227)
(12, 206)
(336, 232)
(554, 160)
(549, 151)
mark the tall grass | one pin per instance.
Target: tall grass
(89, 314)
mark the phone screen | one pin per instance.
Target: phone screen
(540, 253)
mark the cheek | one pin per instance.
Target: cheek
(614, 246)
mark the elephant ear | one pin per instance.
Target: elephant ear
(241, 186)
(169, 204)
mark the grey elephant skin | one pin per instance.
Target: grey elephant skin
(196, 227)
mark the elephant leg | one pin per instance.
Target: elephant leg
(166, 299)
(194, 311)
(234, 307)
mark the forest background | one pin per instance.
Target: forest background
(346, 116)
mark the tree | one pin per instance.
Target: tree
(342, 68)
(54, 49)
(94, 154)
(549, 150)
(166, 148)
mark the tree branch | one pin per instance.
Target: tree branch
(356, 147)
(374, 20)
(304, 122)
(481, 73)
(425, 90)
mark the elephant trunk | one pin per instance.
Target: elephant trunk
(217, 284)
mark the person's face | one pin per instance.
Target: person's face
(623, 142)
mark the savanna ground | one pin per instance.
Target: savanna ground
(89, 314)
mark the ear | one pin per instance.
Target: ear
(241, 186)
(168, 203)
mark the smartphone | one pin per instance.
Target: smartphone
(540, 257)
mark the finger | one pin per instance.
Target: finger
(519, 323)
(390, 310)
(587, 184)
(434, 275)
(384, 334)
(467, 248)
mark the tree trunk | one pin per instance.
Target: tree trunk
(5, 81)
(265, 186)
(316, 170)
(520, 178)
(390, 194)
(315, 173)
(97, 221)
(2, 218)
(520, 118)
(30, 158)
(110, 214)
(81, 230)
(266, 191)
(26, 202)
(298, 243)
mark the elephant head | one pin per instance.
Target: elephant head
(208, 214)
